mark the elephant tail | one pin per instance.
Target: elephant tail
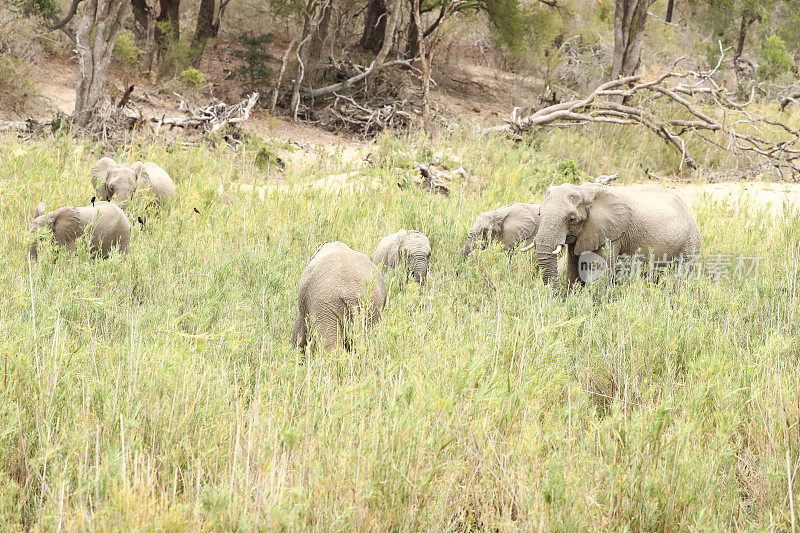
(300, 333)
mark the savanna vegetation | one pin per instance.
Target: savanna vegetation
(159, 390)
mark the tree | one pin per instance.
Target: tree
(630, 18)
(207, 27)
(97, 32)
(670, 7)
(374, 26)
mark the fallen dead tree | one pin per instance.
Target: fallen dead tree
(210, 118)
(701, 108)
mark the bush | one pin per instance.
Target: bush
(775, 58)
(20, 36)
(255, 60)
(192, 78)
(16, 88)
(126, 53)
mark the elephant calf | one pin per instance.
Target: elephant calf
(337, 282)
(108, 225)
(511, 224)
(408, 247)
(121, 182)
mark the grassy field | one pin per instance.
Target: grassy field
(159, 391)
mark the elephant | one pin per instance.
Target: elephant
(652, 222)
(121, 181)
(408, 247)
(336, 283)
(109, 227)
(511, 224)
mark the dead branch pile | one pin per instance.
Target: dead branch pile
(700, 108)
(367, 119)
(209, 118)
(113, 125)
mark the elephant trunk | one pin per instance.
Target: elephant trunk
(420, 269)
(552, 234)
(469, 245)
(33, 251)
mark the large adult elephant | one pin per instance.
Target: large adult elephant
(652, 222)
(337, 282)
(510, 225)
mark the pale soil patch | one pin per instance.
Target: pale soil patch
(770, 196)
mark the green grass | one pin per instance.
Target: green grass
(159, 391)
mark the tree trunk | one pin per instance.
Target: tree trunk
(630, 17)
(168, 21)
(206, 29)
(742, 36)
(320, 34)
(425, 59)
(670, 7)
(412, 41)
(374, 26)
(300, 68)
(140, 10)
(97, 32)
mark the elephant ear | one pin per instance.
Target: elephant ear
(142, 176)
(609, 217)
(498, 223)
(100, 170)
(65, 224)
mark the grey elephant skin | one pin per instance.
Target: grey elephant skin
(584, 217)
(510, 225)
(410, 249)
(120, 182)
(106, 222)
(337, 282)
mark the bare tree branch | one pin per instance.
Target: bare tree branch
(700, 100)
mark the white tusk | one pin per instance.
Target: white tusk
(558, 249)
(531, 245)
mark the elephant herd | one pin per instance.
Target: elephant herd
(589, 218)
(339, 283)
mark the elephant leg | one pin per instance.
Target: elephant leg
(300, 332)
(329, 332)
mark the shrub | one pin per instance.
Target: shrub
(20, 36)
(126, 53)
(192, 78)
(255, 60)
(775, 58)
(16, 88)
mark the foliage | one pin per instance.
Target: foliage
(161, 385)
(775, 58)
(126, 53)
(175, 54)
(192, 78)
(16, 87)
(255, 61)
(42, 8)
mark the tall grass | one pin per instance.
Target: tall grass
(158, 390)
